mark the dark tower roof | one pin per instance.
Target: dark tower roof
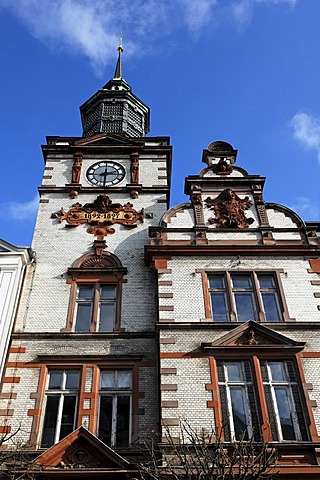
(115, 109)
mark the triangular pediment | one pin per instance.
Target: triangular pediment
(81, 450)
(104, 139)
(253, 334)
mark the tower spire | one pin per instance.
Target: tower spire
(118, 70)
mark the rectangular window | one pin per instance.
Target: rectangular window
(115, 407)
(244, 296)
(96, 308)
(283, 400)
(61, 404)
(239, 397)
(239, 412)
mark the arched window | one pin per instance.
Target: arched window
(95, 297)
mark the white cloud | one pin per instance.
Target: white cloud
(23, 210)
(92, 27)
(197, 13)
(290, 2)
(242, 10)
(306, 129)
(305, 208)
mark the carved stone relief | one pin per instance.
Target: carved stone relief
(229, 210)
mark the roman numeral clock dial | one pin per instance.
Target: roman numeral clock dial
(105, 174)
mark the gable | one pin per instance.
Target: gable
(252, 334)
(102, 139)
(81, 450)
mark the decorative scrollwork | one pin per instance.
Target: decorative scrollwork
(229, 210)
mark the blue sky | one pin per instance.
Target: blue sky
(243, 71)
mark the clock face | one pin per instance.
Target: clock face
(105, 174)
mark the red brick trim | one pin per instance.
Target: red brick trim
(315, 265)
(169, 404)
(5, 429)
(11, 379)
(167, 387)
(6, 412)
(8, 395)
(168, 371)
(34, 411)
(17, 350)
(168, 340)
(166, 308)
(165, 295)
(170, 422)
(168, 283)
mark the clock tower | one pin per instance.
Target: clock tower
(84, 340)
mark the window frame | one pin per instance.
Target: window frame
(103, 279)
(115, 393)
(257, 291)
(263, 412)
(96, 301)
(102, 268)
(61, 393)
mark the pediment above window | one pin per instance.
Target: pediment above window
(89, 263)
(253, 335)
(81, 450)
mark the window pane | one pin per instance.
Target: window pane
(55, 380)
(245, 307)
(107, 317)
(85, 292)
(108, 292)
(68, 414)
(124, 379)
(271, 307)
(241, 281)
(72, 381)
(278, 373)
(83, 319)
(123, 421)
(219, 307)
(240, 419)
(285, 416)
(266, 281)
(107, 379)
(50, 421)
(216, 281)
(105, 419)
(234, 372)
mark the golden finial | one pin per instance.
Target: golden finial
(120, 48)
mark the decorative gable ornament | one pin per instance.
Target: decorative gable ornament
(229, 210)
(101, 211)
(252, 335)
(81, 450)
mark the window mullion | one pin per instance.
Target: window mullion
(261, 313)
(233, 315)
(114, 420)
(95, 308)
(59, 419)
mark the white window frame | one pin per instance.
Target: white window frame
(61, 393)
(243, 384)
(285, 384)
(114, 394)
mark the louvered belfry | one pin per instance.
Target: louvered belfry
(115, 109)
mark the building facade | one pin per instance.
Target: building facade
(13, 263)
(136, 317)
